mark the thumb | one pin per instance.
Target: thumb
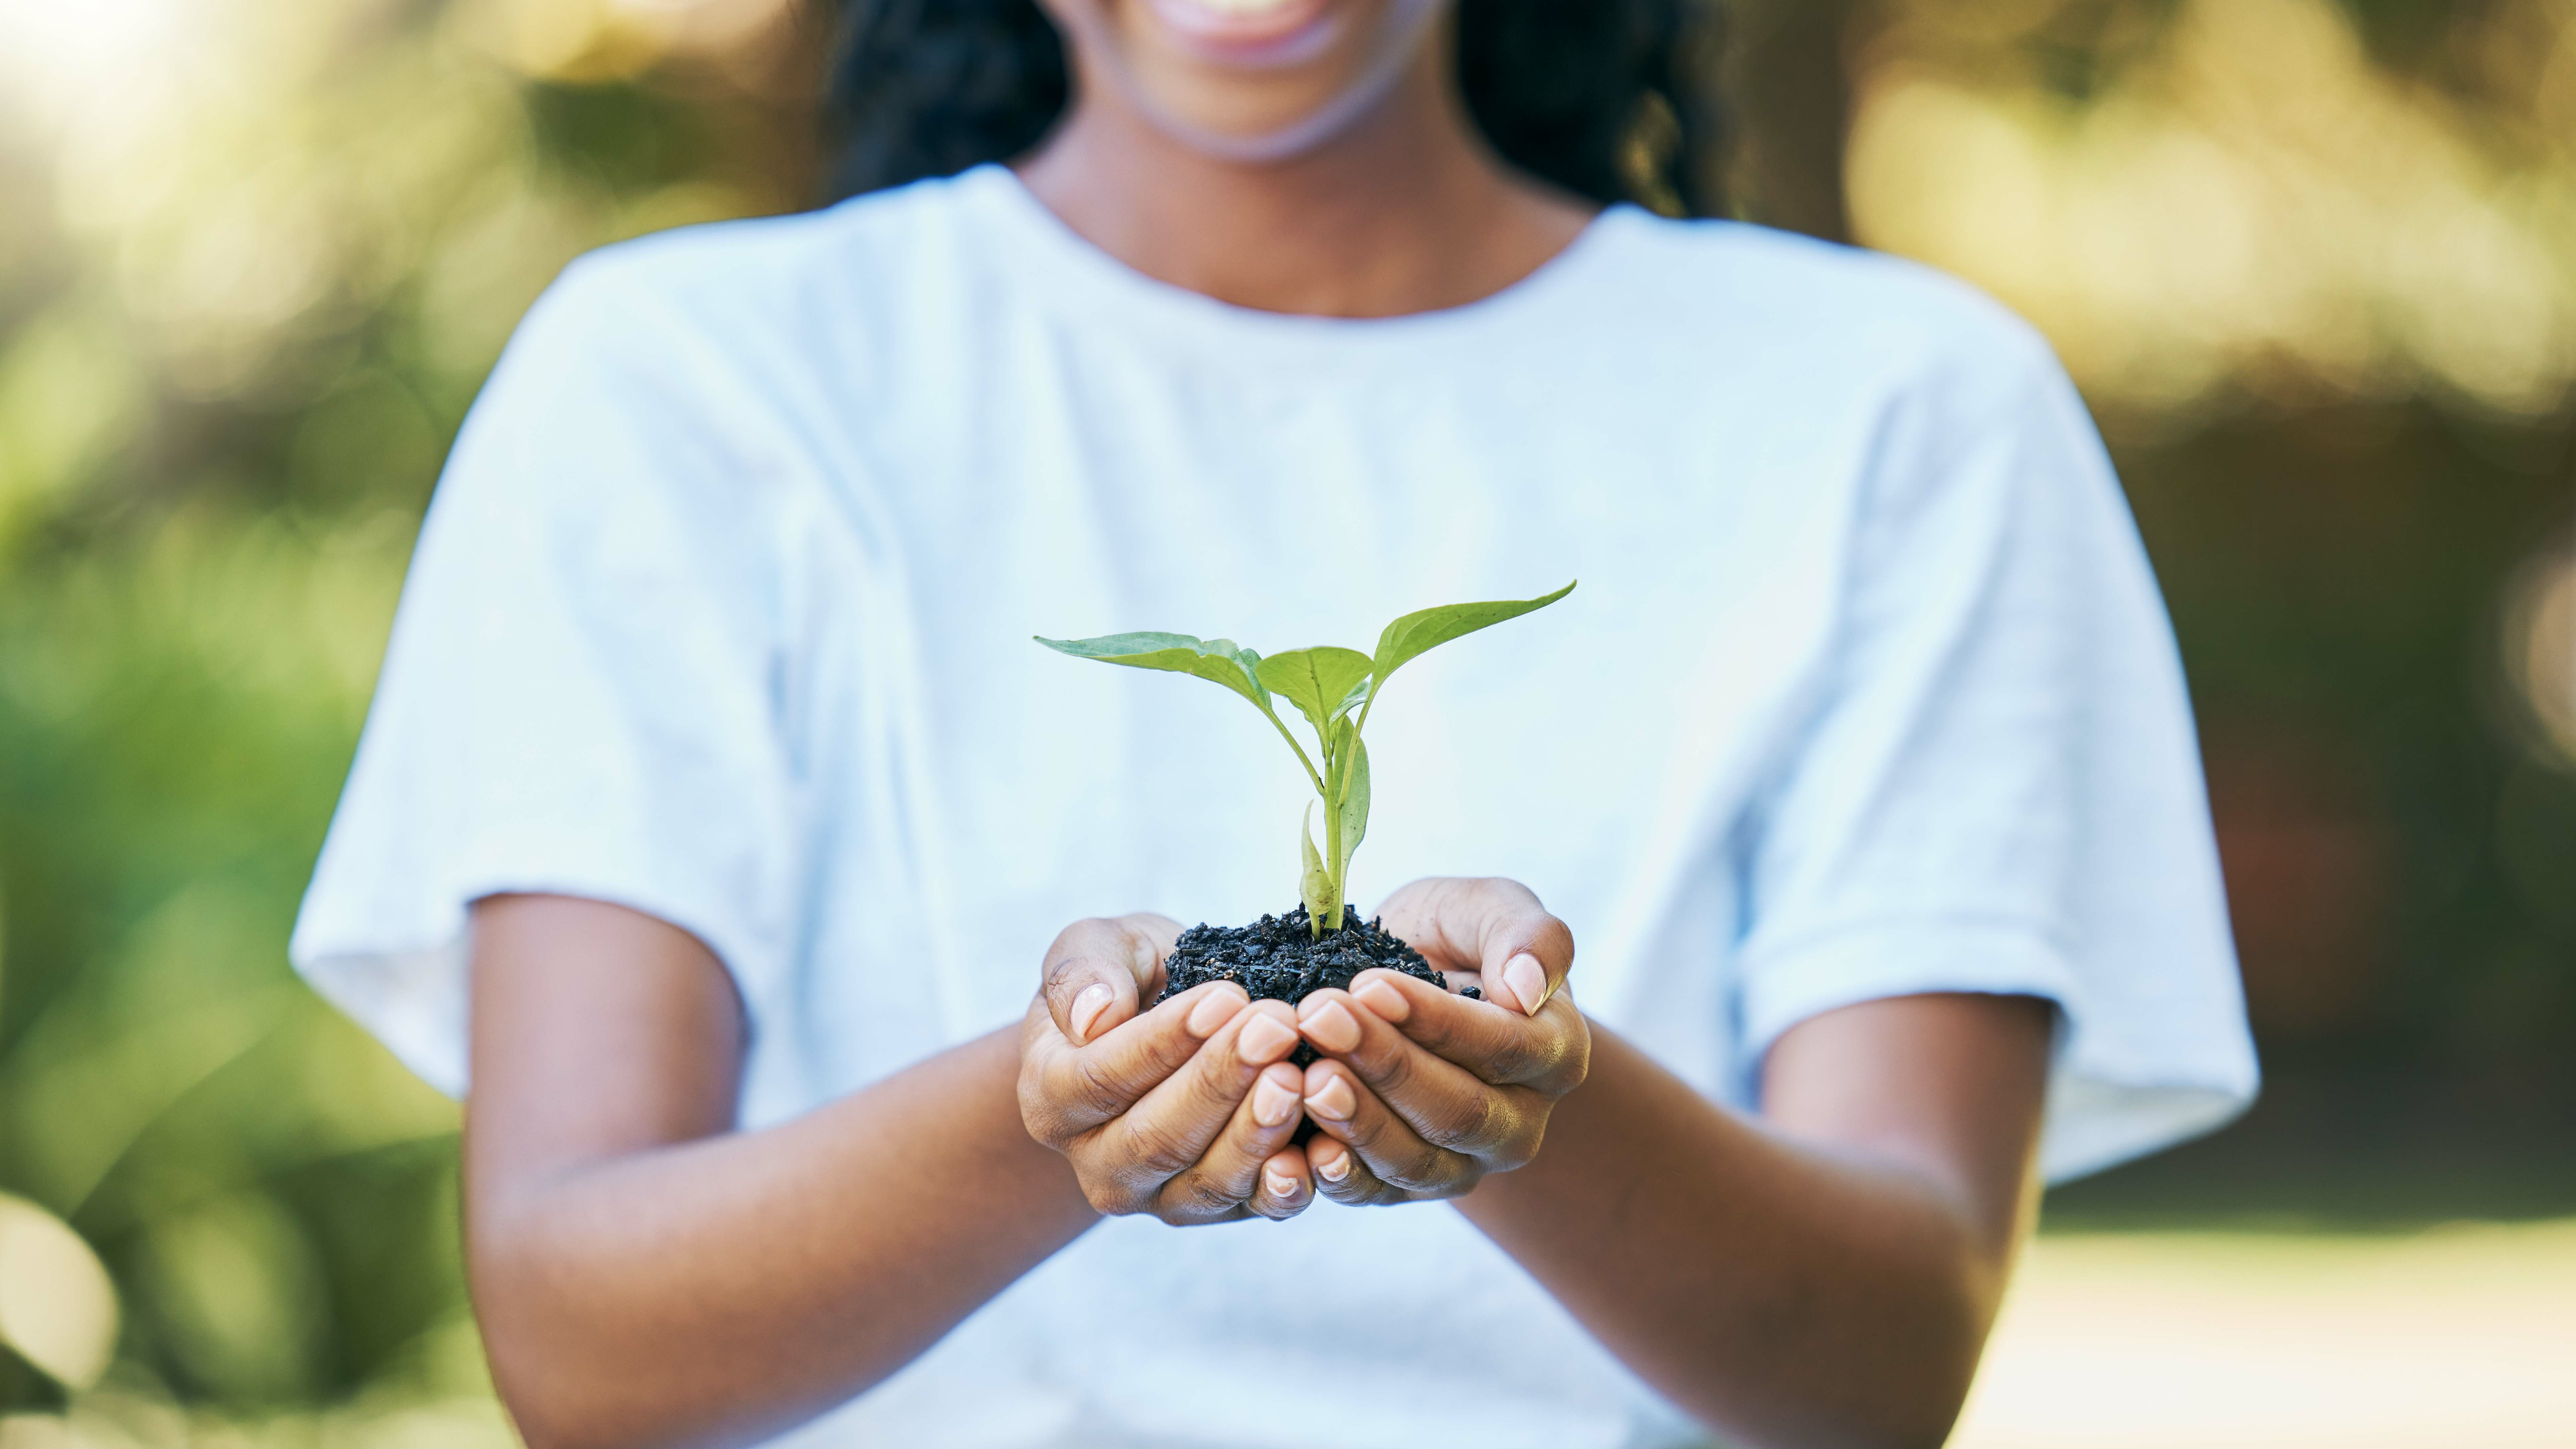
(1521, 952)
(1494, 927)
(1100, 972)
(1525, 952)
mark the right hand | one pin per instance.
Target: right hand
(1430, 1092)
(1184, 1111)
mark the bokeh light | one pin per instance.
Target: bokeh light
(2232, 194)
(57, 1304)
(2540, 647)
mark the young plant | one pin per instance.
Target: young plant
(1326, 685)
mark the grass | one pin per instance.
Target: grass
(2462, 1336)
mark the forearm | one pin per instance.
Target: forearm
(1781, 1293)
(720, 1289)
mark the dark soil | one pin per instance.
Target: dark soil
(1278, 958)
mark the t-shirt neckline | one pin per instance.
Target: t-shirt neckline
(1080, 273)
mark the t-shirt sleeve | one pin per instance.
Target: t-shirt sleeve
(2001, 790)
(580, 694)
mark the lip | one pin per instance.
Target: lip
(1282, 34)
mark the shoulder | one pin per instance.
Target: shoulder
(1932, 392)
(1819, 309)
(765, 285)
(685, 365)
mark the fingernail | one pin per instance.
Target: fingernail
(1333, 1101)
(1528, 981)
(1273, 1104)
(1336, 1169)
(1331, 1025)
(1282, 1188)
(1087, 1007)
(1214, 1010)
(1381, 996)
(1265, 1039)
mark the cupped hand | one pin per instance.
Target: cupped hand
(1420, 1093)
(1184, 1111)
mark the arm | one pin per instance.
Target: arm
(1827, 1276)
(646, 1274)
(1824, 1277)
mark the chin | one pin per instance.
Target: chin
(1252, 80)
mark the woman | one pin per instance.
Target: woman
(712, 750)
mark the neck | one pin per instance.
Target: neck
(1403, 210)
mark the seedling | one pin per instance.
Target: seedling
(1334, 689)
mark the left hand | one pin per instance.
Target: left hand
(1184, 1111)
(1421, 1093)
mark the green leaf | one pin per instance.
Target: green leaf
(1318, 681)
(1427, 629)
(1358, 696)
(1323, 903)
(1337, 739)
(1214, 659)
(1355, 805)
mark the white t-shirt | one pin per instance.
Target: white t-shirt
(723, 612)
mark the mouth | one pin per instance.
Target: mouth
(1248, 31)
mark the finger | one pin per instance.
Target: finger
(1098, 972)
(1345, 1110)
(1084, 1086)
(1443, 1103)
(1231, 1177)
(1342, 1177)
(1492, 926)
(1172, 1127)
(1548, 1052)
(1287, 1185)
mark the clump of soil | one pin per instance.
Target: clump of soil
(1278, 958)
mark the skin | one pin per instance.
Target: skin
(647, 1272)
(1403, 210)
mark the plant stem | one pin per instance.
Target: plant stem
(1332, 865)
(1336, 767)
(1335, 866)
(1276, 724)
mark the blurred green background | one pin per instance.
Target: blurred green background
(2313, 262)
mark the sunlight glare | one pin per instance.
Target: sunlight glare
(57, 1306)
(58, 57)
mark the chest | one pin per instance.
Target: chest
(972, 792)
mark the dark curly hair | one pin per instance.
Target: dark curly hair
(1614, 100)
